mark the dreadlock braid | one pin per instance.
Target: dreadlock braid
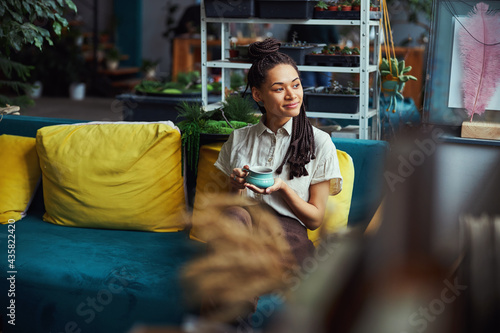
(265, 56)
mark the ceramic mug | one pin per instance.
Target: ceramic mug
(260, 176)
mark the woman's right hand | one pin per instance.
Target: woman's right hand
(237, 178)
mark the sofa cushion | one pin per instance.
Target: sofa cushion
(211, 181)
(19, 176)
(337, 206)
(113, 175)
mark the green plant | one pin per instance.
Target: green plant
(238, 108)
(236, 80)
(148, 64)
(236, 112)
(321, 4)
(336, 88)
(113, 54)
(190, 131)
(21, 25)
(396, 69)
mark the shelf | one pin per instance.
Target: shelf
(288, 21)
(313, 114)
(367, 130)
(243, 65)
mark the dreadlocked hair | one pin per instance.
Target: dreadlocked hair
(265, 55)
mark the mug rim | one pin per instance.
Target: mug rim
(260, 170)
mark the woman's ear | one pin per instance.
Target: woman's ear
(256, 95)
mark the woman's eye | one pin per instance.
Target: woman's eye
(278, 89)
(296, 85)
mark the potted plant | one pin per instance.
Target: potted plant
(297, 49)
(374, 7)
(356, 5)
(394, 76)
(346, 6)
(334, 55)
(233, 50)
(333, 6)
(196, 124)
(321, 6)
(334, 98)
(113, 57)
(149, 67)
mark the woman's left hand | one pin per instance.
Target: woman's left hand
(278, 185)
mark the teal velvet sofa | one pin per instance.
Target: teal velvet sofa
(96, 280)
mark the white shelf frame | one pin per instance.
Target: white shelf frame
(364, 70)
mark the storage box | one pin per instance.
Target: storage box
(298, 53)
(285, 9)
(341, 15)
(319, 101)
(230, 8)
(332, 60)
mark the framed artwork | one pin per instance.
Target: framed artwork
(443, 102)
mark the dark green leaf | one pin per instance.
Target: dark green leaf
(27, 7)
(57, 27)
(15, 16)
(71, 5)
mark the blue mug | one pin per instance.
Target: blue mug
(260, 176)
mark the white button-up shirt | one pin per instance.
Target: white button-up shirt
(257, 145)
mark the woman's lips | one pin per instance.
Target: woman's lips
(291, 106)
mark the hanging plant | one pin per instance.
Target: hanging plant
(393, 76)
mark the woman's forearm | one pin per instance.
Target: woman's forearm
(310, 212)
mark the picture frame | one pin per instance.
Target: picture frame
(439, 108)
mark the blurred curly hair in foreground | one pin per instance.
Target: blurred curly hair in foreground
(242, 261)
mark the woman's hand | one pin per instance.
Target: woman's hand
(237, 178)
(278, 185)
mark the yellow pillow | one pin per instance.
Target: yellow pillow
(113, 175)
(19, 176)
(338, 206)
(209, 182)
(212, 181)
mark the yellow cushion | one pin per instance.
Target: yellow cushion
(19, 175)
(113, 175)
(212, 181)
(209, 182)
(338, 206)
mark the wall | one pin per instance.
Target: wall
(154, 45)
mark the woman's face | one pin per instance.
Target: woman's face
(281, 95)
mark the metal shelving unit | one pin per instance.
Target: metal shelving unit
(364, 70)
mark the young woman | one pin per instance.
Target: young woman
(303, 158)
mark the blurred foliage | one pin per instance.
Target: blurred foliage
(25, 23)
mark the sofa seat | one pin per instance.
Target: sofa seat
(94, 279)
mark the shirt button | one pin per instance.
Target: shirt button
(269, 160)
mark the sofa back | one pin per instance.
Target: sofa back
(369, 157)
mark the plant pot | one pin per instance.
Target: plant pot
(343, 15)
(319, 9)
(332, 60)
(112, 64)
(285, 9)
(317, 101)
(346, 8)
(230, 8)
(150, 73)
(36, 91)
(356, 8)
(298, 53)
(77, 91)
(234, 53)
(333, 8)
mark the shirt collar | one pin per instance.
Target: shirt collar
(263, 128)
